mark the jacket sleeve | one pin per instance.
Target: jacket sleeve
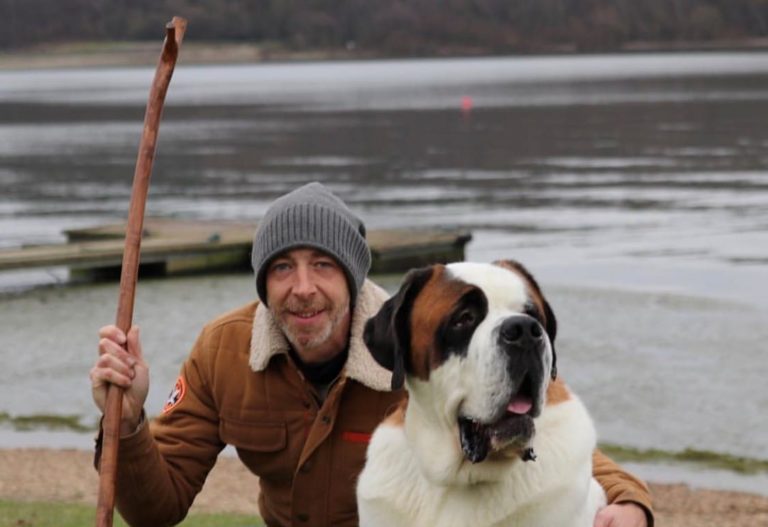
(163, 466)
(621, 486)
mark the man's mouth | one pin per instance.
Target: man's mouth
(304, 316)
(514, 428)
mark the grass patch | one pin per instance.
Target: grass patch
(741, 465)
(25, 423)
(49, 514)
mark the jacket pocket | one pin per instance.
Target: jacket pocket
(253, 436)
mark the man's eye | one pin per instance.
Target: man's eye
(324, 264)
(280, 267)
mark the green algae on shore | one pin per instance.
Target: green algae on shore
(713, 460)
(24, 423)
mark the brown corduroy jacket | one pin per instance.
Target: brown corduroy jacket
(239, 387)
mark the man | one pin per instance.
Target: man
(287, 381)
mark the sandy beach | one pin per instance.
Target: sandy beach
(26, 475)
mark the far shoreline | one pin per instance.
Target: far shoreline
(145, 53)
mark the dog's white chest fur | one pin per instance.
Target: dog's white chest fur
(555, 490)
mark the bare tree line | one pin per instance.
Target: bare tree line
(393, 27)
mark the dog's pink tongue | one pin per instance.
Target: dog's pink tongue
(520, 404)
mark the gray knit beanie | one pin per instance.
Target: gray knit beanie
(312, 216)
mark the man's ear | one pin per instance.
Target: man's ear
(388, 333)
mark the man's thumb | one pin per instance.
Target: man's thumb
(603, 519)
(134, 343)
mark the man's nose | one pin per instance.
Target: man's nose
(305, 283)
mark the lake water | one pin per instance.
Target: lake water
(634, 187)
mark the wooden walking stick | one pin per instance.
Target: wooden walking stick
(174, 33)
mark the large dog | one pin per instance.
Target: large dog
(489, 435)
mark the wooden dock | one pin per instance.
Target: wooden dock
(173, 247)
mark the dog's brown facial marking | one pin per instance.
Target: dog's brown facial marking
(388, 333)
(430, 318)
(445, 308)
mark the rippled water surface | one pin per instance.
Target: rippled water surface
(634, 187)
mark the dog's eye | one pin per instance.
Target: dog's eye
(464, 319)
(532, 311)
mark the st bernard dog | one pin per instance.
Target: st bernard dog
(489, 436)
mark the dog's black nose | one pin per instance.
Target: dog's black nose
(521, 330)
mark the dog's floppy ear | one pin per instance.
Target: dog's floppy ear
(388, 334)
(550, 325)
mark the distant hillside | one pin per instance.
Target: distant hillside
(395, 27)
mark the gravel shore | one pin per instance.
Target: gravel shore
(67, 475)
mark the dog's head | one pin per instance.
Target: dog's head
(475, 341)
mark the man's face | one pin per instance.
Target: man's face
(308, 296)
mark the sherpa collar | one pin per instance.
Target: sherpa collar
(267, 340)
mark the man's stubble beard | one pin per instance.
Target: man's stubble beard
(299, 341)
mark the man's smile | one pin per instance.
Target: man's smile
(306, 317)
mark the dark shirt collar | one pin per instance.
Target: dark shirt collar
(322, 373)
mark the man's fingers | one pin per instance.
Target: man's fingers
(115, 342)
(112, 348)
(108, 362)
(112, 332)
(101, 376)
(112, 362)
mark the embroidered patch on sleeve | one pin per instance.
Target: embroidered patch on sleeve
(177, 394)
